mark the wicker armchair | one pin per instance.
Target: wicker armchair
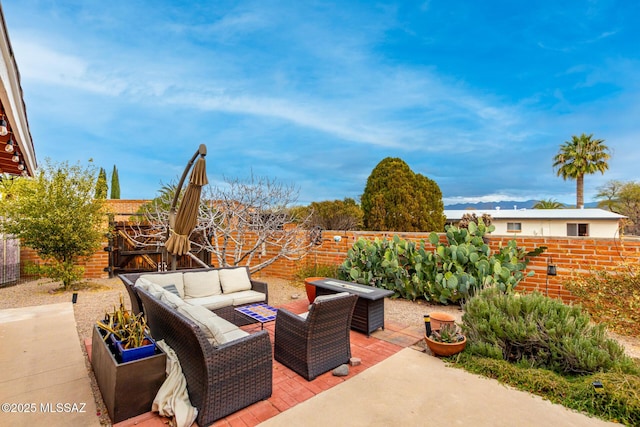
(318, 343)
(220, 380)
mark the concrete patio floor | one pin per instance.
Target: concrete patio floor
(396, 384)
(44, 378)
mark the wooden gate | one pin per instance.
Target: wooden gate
(129, 253)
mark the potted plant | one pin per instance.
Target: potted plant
(128, 385)
(446, 341)
(128, 332)
(311, 289)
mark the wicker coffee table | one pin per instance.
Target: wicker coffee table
(258, 313)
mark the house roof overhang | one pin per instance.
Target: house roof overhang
(13, 109)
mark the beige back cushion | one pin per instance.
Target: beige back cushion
(330, 296)
(201, 284)
(234, 280)
(167, 279)
(211, 325)
(147, 285)
(199, 315)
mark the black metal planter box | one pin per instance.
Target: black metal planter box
(128, 389)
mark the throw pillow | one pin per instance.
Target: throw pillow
(165, 279)
(234, 279)
(201, 284)
(171, 299)
(149, 286)
(172, 289)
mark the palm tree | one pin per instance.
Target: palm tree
(582, 155)
(548, 204)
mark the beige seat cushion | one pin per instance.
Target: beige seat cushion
(167, 279)
(234, 280)
(201, 284)
(212, 302)
(216, 329)
(247, 297)
(222, 330)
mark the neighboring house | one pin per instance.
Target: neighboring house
(17, 155)
(547, 222)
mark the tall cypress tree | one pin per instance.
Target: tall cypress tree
(101, 185)
(115, 184)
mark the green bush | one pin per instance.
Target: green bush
(317, 270)
(539, 332)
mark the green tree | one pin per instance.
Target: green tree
(57, 215)
(115, 184)
(101, 185)
(395, 198)
(334, 215)
(629, 205)
(548, 204)
(623, 198)
(578, 157)
(609, 195)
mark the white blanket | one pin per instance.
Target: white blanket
(172, 399)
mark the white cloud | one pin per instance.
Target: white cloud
(45, 65)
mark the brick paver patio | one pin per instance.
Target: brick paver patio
(289, 388)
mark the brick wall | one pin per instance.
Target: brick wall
(93, 266)
(571, 255)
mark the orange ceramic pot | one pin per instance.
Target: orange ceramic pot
(443, 348)
(438, 319)
(311, 289)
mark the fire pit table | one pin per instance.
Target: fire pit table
(369, 312)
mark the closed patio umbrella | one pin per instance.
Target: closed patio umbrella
(182, 223)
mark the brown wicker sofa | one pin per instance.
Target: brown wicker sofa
(220, 379)
(224, 311)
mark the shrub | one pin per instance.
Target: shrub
(396, 264)
(317, 270)
(450, 273)
(613, 297)
(539, 332)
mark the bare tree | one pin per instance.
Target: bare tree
(252, 220)
(247, 223)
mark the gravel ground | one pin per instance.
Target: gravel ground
(101, 295)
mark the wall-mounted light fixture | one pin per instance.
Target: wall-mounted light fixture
(3, 126)
(551, 271)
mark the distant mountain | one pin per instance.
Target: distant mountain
(528, 204)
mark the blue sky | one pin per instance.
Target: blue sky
(477, 96)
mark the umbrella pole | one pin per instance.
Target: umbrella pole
(202, 151)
